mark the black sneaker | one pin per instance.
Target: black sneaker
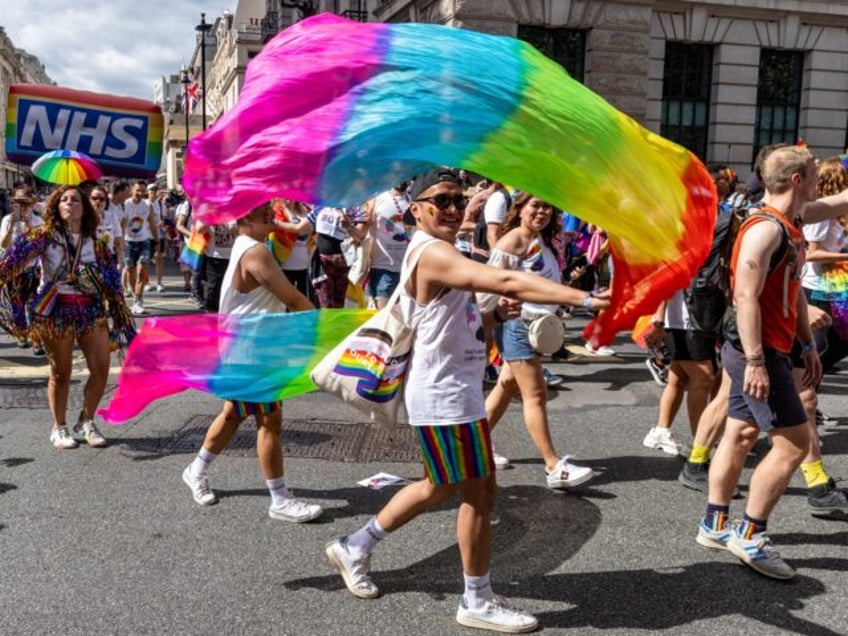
(695, 476)
(827, 500)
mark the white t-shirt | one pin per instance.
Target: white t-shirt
(221, 240)
(676, 312)
(389, 232)
(328, 221)
(448, 356)
(18, 228)
(831, 237)
(298, 258)
(496, 208)
(109, 228)
(138, 225)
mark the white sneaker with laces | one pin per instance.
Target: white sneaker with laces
(61, 439)
(501, 462)
(661, 439)
(160, 288)
(760, 554)
(137, 308)
(567, 475)
(89, 431)
(497, 615)
(200, 489)
(354, 571)
(295, 510)
(600, 351)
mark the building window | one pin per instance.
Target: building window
(778, 97)
(687, 79)
(567, 47)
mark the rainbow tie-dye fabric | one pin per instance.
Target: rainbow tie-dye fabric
(334, 111)
(251, 358)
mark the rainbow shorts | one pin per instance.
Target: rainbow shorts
(245, 409)
(456, 453)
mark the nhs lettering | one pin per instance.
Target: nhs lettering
(124, 135)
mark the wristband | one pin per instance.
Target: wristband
(755, 361)
(588, 300)
(807, 348)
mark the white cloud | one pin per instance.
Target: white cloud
(119, 47)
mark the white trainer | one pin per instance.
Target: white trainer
(501, 462)
(295, 510)
(661, 439)
(567, 475)
(138, 308)
(496, 615)
(61, 439)
(89, 431)
(200, 489)
(600, 351)
(160, 288)
(354, 571)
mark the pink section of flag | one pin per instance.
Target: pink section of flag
(251, 144)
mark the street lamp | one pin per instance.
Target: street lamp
(185, 80)
(203, 28)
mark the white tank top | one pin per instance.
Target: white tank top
(256, 301)
(444, 380)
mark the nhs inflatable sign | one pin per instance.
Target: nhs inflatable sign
(122, 134)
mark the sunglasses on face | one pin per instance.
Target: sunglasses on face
(444, 201)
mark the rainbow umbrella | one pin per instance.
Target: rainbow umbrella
(66, 167)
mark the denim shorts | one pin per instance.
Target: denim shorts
(515, 344)
(783, 407)
(138, 253)
(382, 283)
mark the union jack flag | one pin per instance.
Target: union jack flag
(191, 94)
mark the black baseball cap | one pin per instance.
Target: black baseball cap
(428, 179)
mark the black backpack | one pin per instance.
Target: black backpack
(709, 296)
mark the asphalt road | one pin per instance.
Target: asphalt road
(110, 541)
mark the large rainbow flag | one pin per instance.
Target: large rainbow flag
(333, 111)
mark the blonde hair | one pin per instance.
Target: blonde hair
(781, 164)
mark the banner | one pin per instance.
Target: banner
(122, 134)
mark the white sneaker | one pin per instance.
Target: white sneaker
(160, 288)
(137, 308)
(353, 571)
(148, 287)
(501, 462)
(295, 510)
(600, 351)
(496, 615)
(567, 475)
(662, 439)
(200, 489)
(61, 439)
(89, 431)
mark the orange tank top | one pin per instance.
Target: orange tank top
(779, 298)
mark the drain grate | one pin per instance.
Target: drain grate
(308, 438)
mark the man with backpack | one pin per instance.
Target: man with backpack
(770, 310)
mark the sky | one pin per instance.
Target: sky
(118, 47)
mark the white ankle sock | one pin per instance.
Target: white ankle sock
(200, 465)
(362, 542)
(279, 491)
(478, 590)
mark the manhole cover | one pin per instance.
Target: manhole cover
(307, 438)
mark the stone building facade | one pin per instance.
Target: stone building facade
(721, 77)
(16, 67)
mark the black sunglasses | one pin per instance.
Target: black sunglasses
(444, 201)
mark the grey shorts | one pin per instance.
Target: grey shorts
(783, 407)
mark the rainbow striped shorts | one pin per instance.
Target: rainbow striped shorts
(245, 409)
(456, 453)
